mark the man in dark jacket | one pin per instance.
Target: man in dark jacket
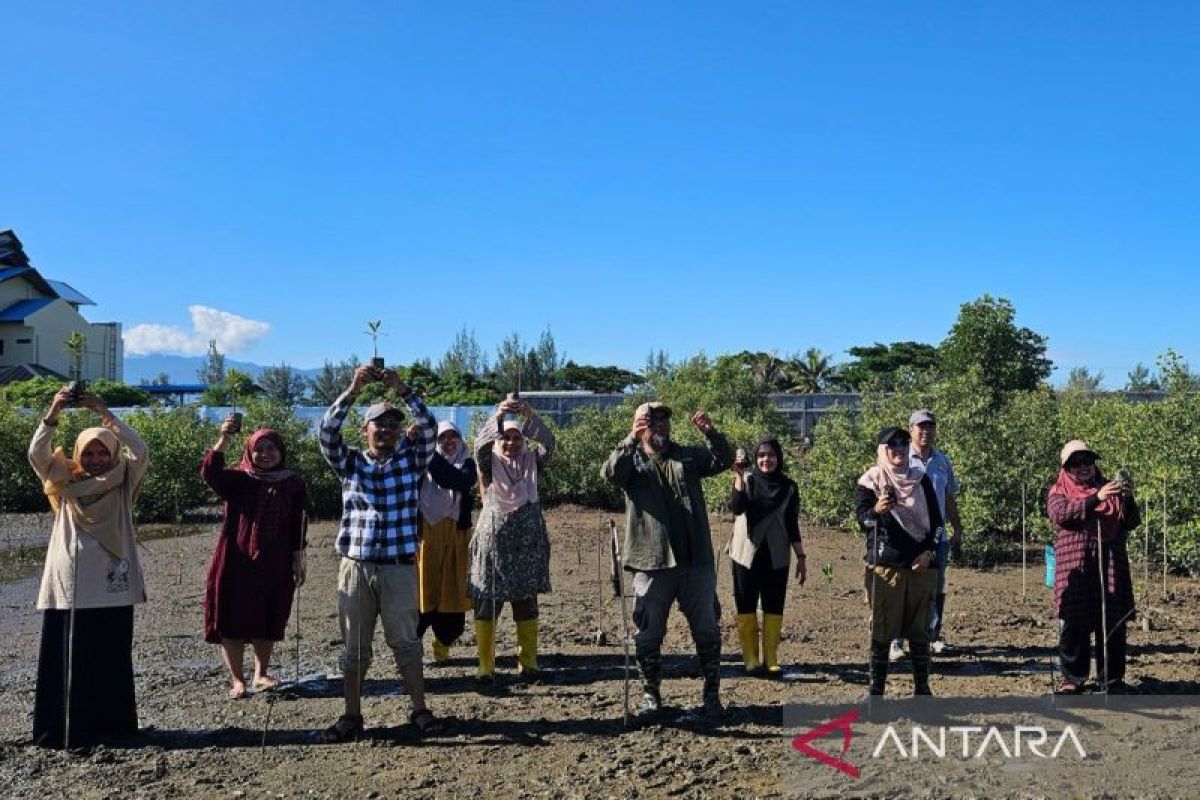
(668, 545)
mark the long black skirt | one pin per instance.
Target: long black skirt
(103, 707)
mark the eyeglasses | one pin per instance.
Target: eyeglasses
(1082, 462)
(387, 425)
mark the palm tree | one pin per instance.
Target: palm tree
(813, 372)
(768, 370)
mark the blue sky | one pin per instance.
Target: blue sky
(684, 176)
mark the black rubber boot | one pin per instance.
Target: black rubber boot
(709, 656)
(879, 667)
(651, 667)
(918, 653)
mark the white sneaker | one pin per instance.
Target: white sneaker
(896, 651)
(938, 647)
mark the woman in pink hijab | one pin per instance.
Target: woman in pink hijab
(898, 511)
(510, 551)
(259, 558)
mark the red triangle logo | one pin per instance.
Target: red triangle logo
(842, 723)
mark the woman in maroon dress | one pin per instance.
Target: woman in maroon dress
(1092, 518)
(259, 558)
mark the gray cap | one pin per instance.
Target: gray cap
(921, 415)
(377, 410)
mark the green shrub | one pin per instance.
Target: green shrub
(20, 490)
(37, 393)
(177, 439)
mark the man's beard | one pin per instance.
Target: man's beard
(658, 442)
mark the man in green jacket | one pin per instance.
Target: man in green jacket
(668, 546)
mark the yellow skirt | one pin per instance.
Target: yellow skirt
(442, 567)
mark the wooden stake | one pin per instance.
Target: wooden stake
(1164, 529)
(1024, 546)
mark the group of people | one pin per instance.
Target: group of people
(412, 559)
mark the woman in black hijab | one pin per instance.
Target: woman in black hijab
(765, 534)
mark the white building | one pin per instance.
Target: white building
(36, 317)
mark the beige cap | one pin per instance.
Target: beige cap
(512, 425)
(1072, 447)
(646, 409)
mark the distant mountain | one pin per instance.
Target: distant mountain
(183, 369)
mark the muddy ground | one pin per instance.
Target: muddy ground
(565, 738)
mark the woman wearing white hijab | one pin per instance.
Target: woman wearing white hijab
(445, 514)
(898, 510)
(91, 581)
(510, 551)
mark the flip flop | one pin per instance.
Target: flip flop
(265, 684)
(426, 723)
(1068, 687)
(238, 694)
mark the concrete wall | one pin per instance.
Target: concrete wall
(16, 289)
(18, 344)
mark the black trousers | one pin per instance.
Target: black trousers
(760, 581)
(102, 698)
(447, 625)
(1076, 645)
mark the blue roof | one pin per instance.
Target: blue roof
(70, 294)
(174, 388)
(12, 272)
(21, 309)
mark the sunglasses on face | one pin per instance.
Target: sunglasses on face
(511, 439)
(387, 425)
(1083, 462)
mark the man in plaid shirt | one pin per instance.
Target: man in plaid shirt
(378, 541)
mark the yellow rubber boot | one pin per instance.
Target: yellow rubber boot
(748, 634)
(772, 628)
(441, 652)
(527, 647)
(485, 643)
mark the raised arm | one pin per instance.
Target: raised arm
(212, 466)
(717, 454)
(618, 468)
(426, 441)
(138, 456)
(536, 430)
(41, 452)
(329, 437)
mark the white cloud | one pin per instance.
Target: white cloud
(232, 333)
